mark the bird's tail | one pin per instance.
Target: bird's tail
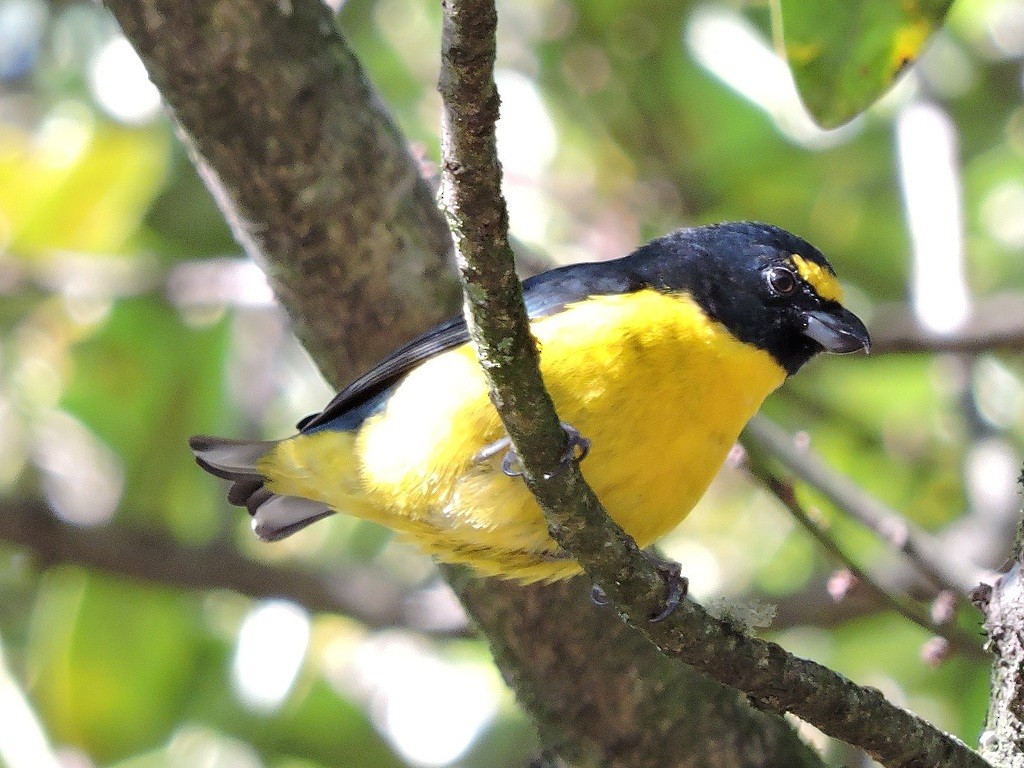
(252, 466)
(289, 484)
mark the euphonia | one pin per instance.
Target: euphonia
(658, 359)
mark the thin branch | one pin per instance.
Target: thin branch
(946, 567)
(365, 594)
(472, 193)
(958, 640)
(814, 606)
(995, 323)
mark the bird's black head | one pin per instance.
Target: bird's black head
(768, 287)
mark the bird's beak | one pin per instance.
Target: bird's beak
(837, 330)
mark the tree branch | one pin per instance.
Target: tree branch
(604, 697)
(995, 323)
(365, 594)
(958, 640)
(472, 191)
(471, 194)
(1003, 605)
(946, 567)
(306, 164)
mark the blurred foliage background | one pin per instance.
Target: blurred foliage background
(129, 321)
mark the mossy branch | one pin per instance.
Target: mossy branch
(1002, 602)
(476, 210)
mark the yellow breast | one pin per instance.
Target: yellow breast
(661, 392)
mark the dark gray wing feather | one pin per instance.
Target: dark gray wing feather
(545, 294)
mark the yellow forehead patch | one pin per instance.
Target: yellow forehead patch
(819, 278)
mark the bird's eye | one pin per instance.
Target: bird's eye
(781, 281)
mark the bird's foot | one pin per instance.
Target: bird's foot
(576, 449)
(676, 587)
(491, 450)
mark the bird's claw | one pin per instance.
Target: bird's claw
(491, 450)
(576, 449)
(511, 465)
(676, 588)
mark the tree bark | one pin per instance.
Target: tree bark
(315, 179)
(1002, 742)
(602, 695)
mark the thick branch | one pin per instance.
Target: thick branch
(1003, 606)
(613, 700)
(314, 177)
(471, 187)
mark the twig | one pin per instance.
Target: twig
(996, 323)
(365, 594)
(912, 612)
(946, 568)
(472, 194)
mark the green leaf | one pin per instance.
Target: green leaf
(112, 663)
(845, 55)
(78, 184)
(143, 382)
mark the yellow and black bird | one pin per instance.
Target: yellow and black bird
(658, 358)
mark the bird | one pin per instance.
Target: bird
(655, 362)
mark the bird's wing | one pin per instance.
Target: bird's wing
(448, 335)
(545, 294)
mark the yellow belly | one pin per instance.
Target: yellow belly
(661, 392)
